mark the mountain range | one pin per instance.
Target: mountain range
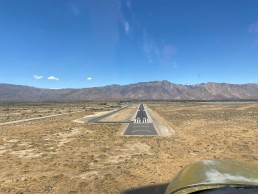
(155, 90)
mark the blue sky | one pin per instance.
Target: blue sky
(85, 43)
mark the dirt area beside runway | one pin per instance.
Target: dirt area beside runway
(160, 124)
(19, 111)
(123, 115)
(58, 155)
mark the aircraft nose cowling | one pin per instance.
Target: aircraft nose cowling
(211, 174)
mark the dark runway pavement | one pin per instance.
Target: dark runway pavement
(141, 124)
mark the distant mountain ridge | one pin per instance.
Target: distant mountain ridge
(155, 90)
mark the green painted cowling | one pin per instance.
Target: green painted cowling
(211, 174)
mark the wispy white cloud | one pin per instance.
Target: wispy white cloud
(108, 17)
(167, 57)
(74, 8)
(253, 29)
(53, 78)
(89, 78)
(150, 48)
(129, 4)
(153, 46)
(127, 27)
(37, 76)
(175, 65)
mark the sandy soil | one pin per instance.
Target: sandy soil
(37, 118)
(19, 111)
(123, 115)
(57, 155)
(161, 125)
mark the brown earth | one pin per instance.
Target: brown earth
(57, 155)
(123, 115)
(19, 111)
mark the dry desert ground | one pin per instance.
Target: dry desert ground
(59, 155)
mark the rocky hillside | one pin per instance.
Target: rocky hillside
(157, 90)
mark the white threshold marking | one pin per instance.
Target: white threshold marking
(139, 127)
(141, 130)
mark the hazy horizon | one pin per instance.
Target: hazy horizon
(129, 84)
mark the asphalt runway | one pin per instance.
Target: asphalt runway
(141, 124)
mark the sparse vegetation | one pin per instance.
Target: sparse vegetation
(57, 155)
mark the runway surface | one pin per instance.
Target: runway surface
(141, 124)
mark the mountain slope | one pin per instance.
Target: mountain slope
(157, 90)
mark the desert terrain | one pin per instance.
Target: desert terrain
(58, 155)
